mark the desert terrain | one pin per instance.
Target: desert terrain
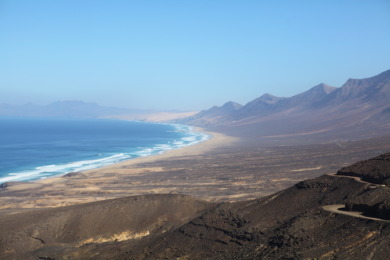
(241, 207)
(221, 169)
(280, 178)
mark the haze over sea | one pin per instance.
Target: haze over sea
(36, 148)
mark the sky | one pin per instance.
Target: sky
(185, 54)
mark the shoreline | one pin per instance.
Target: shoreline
(215, 140)
(66, 166)
(221, 169)
(102, 183)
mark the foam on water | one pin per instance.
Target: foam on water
(188, 138)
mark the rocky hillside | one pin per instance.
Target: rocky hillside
(314, 219)
(358, 109)
(53, 232)
(375, 170)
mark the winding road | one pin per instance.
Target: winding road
(336, 208)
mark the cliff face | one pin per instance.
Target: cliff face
(315, 218)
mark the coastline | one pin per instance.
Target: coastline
(66, 153)
(102, 183)
(220, 169)
(215, 140)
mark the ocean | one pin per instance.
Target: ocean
(37, 148)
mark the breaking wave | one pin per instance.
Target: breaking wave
(188, 138)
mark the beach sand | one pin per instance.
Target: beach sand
(122, 179)
(222, 168)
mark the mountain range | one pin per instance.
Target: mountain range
(66, 109)
(358, 109)
(342, 214)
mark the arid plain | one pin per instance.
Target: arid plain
(262, 187)
(221, 169)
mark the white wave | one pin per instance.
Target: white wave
(189, 138)
(55, 169)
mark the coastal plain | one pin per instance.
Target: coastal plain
(305, 177)
(220, 169)
(255, 150)
(246, 202)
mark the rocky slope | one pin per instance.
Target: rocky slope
(375, 170)
(358, 109)
(59, 230)
(295, 223)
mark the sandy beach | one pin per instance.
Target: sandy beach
(98, 214)
(113, 181)
(222, 168)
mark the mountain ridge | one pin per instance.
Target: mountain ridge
(376, 87)
(353, 108)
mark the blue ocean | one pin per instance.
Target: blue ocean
(36, 148)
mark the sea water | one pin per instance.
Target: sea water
(37, 148)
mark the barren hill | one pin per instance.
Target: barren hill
(317, 218)
(357, 110)
(54, 232)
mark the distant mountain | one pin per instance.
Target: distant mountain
(65, 109)
(374, 91)
(360, 108)
(310, 97)
(262, 105)
(215, 114)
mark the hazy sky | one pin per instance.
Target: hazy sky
(187, 54)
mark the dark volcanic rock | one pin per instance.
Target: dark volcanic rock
(379, 210)
(382, 209)
(376, 170)
(290, 224)
(287, 225)
(56, 232)
(313, 184)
